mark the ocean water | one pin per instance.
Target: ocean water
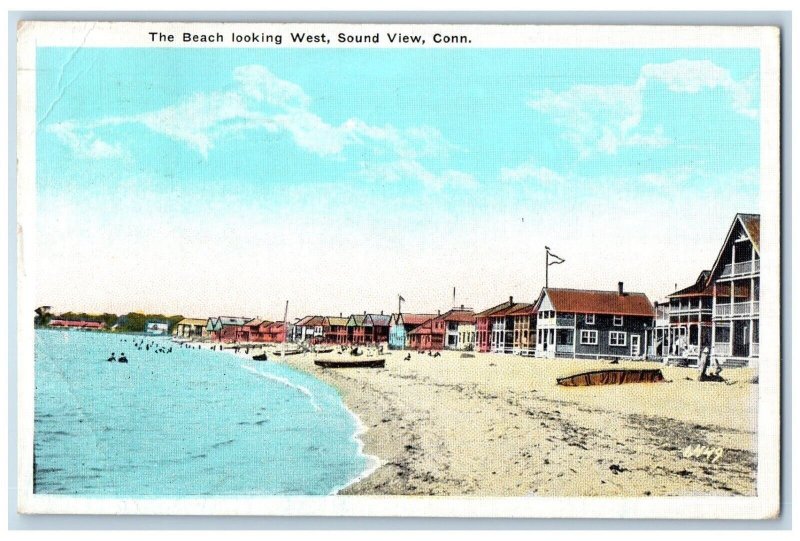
(188, 423)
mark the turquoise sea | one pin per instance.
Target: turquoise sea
(186, 423)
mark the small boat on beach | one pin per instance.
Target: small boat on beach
(260, 357)
(323, 350)
(280, 353)
(366, 363)
(616, 376)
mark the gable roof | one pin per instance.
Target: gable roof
(524, 309)
(413, 319)
(226, 321)
(336, 321)
(751, 224)
(378, 320)
(701, 288)
(192, 321)
(356, 320)
(494, 309)
(459, 316)
(587, 301)
(257, 323)
(510, 309)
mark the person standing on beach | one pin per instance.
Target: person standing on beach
(702, 364)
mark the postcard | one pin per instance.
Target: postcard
(398, 270)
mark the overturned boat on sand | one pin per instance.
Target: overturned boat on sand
(615, 376)
(365, 363)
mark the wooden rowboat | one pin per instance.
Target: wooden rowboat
(616, 376)
(366, 363)
(280, 353)
(323, 350)
(260, 357)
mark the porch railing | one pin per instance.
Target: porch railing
(738, 309)
(743, 267)
(722, 349)
(754, 349)
(564, 348)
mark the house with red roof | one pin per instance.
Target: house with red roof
(524, 338)
(491, 321)
(440, 332)
(310, 329)
(82, 325)
(501, 323)
(225, 328)
(401, 325)
(581, 323)
(254, 330)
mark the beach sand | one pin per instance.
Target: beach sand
(498, 425)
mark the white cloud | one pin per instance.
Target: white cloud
(605, 118)
(84, 142)
(263, 101)
(533, 173)
(413, 170)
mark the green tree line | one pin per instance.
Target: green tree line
(130, 322)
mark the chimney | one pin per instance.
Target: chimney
(510, 300)
(462, 306)
(365, 312)
(381, 312)
(438, 312)
(619, 287)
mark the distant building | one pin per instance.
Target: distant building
(466, 336)
(310, 329)
(335, 329)
(376, 328)
(440, 332)
(79, 324)
(191, 328)
(524, 320)
(356, 332)
(254, 331)
(225, 328)
(495, 327)
(736, 288)
(401, 325)
(583, 323)
(156, 327)
(276, 332)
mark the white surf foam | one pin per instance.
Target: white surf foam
(304, 390)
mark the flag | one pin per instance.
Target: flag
(553, 256)
(401, 298)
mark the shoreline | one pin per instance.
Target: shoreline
(497, 425)
(374, 462)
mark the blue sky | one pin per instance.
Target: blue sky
(208, 181)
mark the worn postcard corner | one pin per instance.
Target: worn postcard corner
(398, 270)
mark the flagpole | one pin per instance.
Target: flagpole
(546, 267)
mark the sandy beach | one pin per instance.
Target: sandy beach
(496, 425)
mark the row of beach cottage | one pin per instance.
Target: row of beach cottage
(719, 311)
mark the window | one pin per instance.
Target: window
(589, 338)
(590, 319)
(618, 321)
(617, 338)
